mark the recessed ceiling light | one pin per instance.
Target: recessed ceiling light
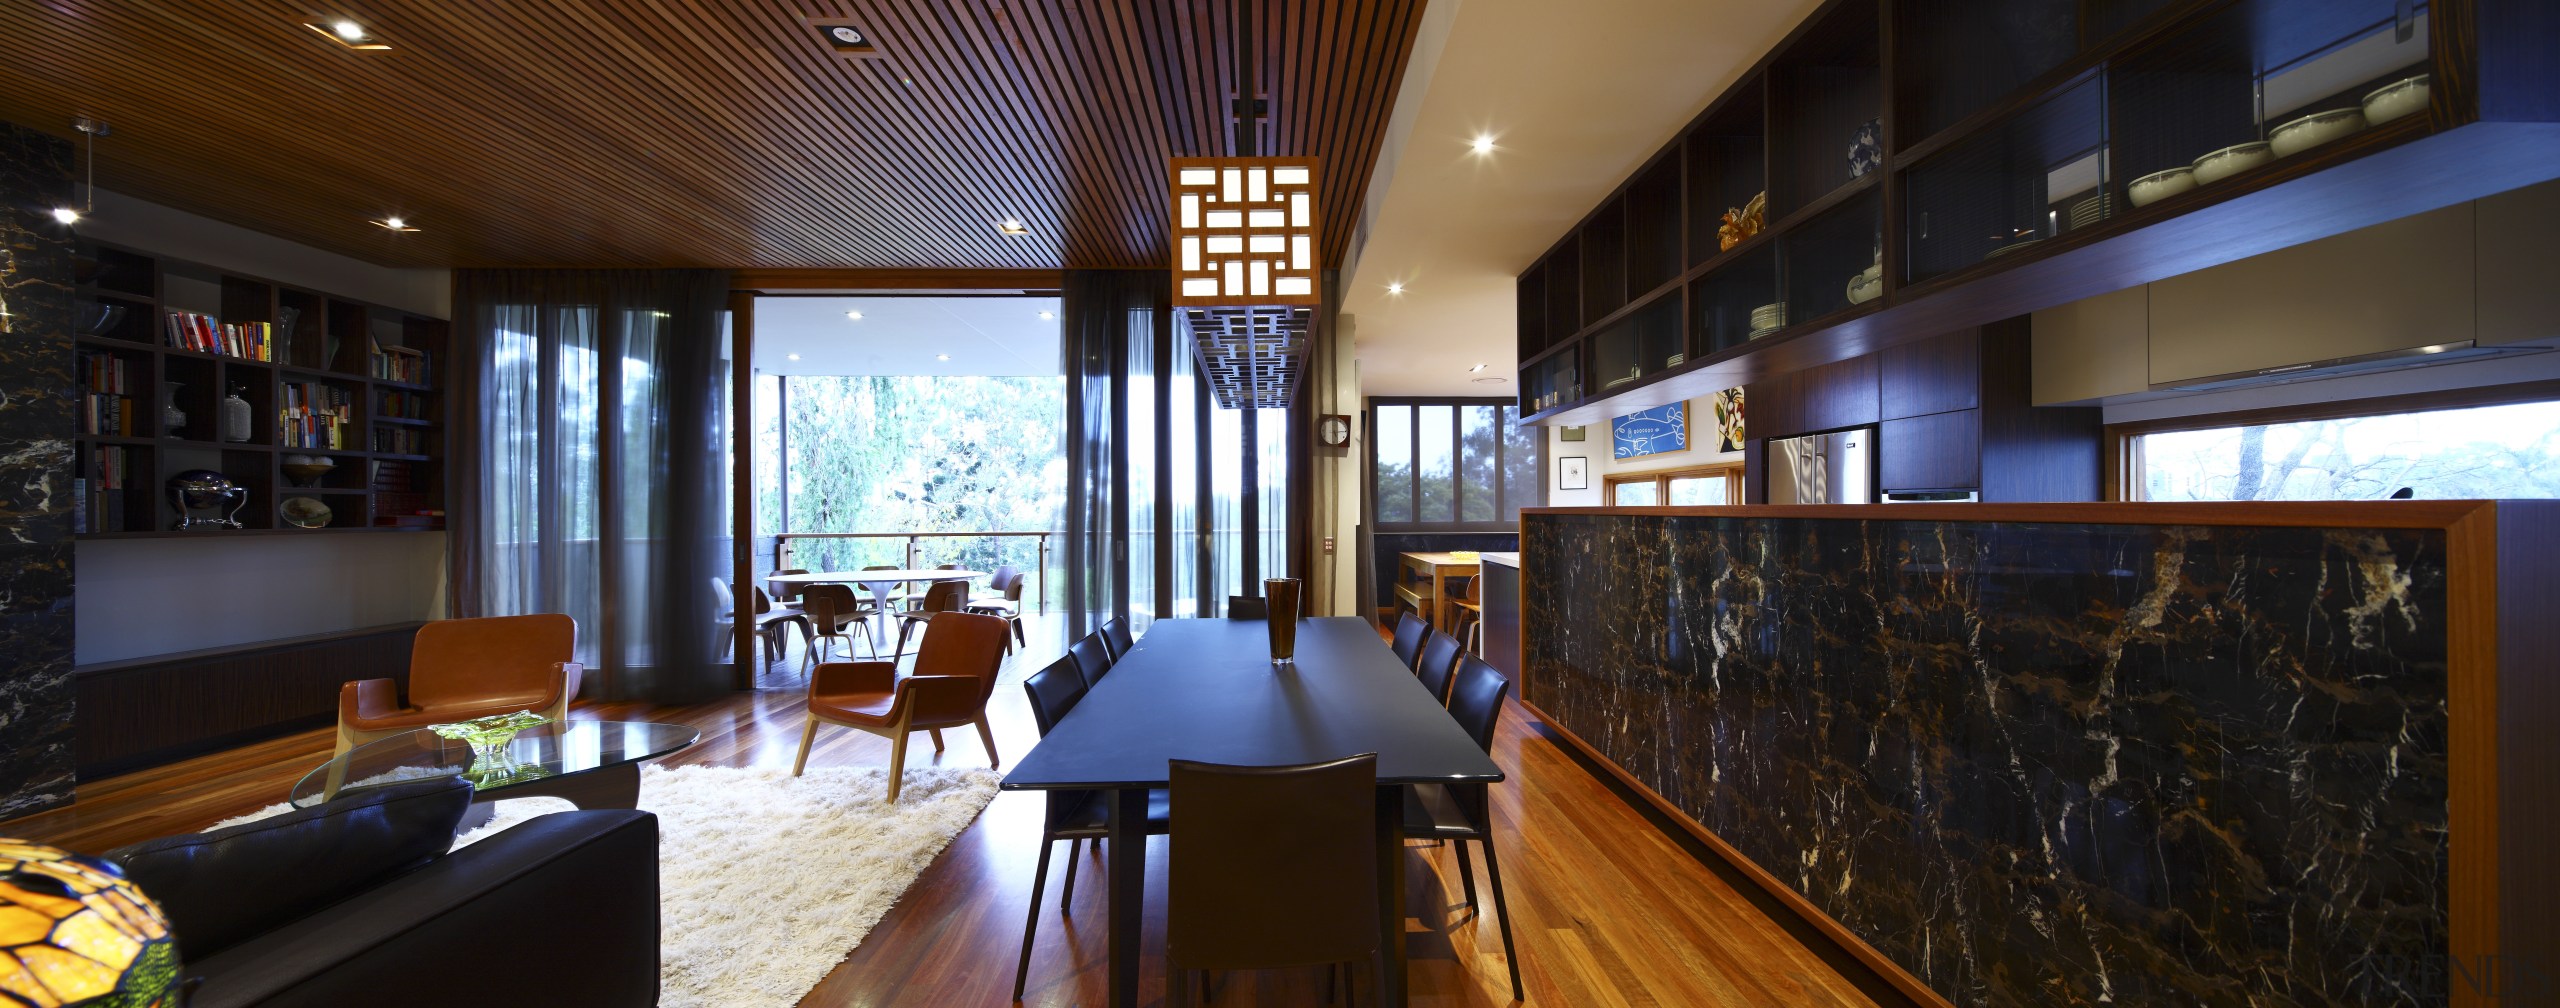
(1492, 381)
(1395, 288)
(393, 224)
(66, 215)
(347, 33)
(854, 315)
(1477, 368)
(1012, 226)
(791, 356)
(1483, 143)
(942, 356)
(1048, 315)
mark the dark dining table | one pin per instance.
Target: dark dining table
(1206, 689)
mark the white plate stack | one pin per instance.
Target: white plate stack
(1768, 318)
(2092, 210)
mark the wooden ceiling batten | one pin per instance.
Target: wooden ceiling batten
(702, 132)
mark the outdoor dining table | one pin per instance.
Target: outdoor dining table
(1206, 689)
(877, 582)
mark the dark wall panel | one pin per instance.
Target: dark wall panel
(35, 473)
(150, 711)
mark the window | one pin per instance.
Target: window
(2365, 450)
(1451, 465)
(1714, 484)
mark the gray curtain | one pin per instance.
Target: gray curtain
(1106, 313)
(587, 471)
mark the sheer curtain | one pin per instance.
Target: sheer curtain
(586, 465)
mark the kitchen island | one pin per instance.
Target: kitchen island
(2089, 753)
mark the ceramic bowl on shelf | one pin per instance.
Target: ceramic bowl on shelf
(2391, 101)
(2230, 161)
(2011, 247)
(2313, 130)
(1863, 288)
(304, 512)
(2158, 186)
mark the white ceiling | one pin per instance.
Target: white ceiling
(1576, 98)
(907, 336)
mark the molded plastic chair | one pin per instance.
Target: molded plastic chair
(943, 597)
(1270, 867)
(832, 611)
(1439, 661)
(1410, 631)
(955, 674)
(461, 669)
(1074, 816)
(1462, 812)
(1005, 601)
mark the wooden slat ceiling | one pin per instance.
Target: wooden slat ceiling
(700, 132)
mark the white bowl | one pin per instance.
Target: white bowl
(2230, 161)
(2395, 100)
(1863, 289)
(2313, 130)
(2158, 186)
(1872, 274)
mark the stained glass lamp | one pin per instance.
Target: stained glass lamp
(74, 932)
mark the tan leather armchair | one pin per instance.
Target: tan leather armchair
(467, 668)
(955, 673)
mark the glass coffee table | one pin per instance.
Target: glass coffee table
(593, 764)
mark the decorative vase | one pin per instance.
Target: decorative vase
(172, 419)
(1866, 149)
(491, 762)
(1280, 597)
(235, 416)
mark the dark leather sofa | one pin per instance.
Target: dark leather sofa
(355, 902)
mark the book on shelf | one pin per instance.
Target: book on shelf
(206, 334)
(402, 405)
(106, 403)
(79, 506)
(400, 441)
(315, 415)
(400, 364)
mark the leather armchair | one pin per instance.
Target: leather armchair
(955, 674)
(467, 668)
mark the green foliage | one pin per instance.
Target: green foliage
(918, 454)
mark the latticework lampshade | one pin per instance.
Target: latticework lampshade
(74, 932)
(1244, 232)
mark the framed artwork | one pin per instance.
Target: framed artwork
(1651, 432)
(1573, 472)
(1729, 433)
(1568, 433)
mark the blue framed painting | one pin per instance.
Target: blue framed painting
(1651, 432)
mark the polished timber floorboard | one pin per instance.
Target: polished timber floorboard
(1607, 909)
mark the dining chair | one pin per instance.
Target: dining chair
(1410, 630)
(955, 673)
(1270, 867)
(1092, 658)
(1437, 664)
(886, 596)
(1461, 812)
(768, 620)
(771, 618)
(461, 669)
(1073, 816)
(1467, 596)
(946, 596)
(1248, 607)
(1006, 602)
(1115, 634)
(833, 610)
(785, 592)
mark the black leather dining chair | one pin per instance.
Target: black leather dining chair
(1248, 607)
(1073, 816)
(1410, 631)
(1092, 658)
(1437, 664)
(1270, 867)
(1115, 634)
(1461, 812)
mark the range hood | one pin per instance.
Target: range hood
(2388, 360)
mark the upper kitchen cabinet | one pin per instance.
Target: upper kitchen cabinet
(1897, 169)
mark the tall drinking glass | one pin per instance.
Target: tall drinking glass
(1281, 596)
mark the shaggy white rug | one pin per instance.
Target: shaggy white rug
(766, 881)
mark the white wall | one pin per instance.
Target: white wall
(1596, 446)
(141, 597)
(123, 220)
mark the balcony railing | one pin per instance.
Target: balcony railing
(834, 551)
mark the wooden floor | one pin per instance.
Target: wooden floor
(1608, 909)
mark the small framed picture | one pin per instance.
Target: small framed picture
(1573, 472)
(1568, 433)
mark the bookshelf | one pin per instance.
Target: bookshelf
(317, 376)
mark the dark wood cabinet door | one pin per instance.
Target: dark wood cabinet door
(1936, 375)
(1773, 407)
(1941, 451)
(1840, 395)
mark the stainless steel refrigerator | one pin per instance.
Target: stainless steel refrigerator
(1837, 468)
